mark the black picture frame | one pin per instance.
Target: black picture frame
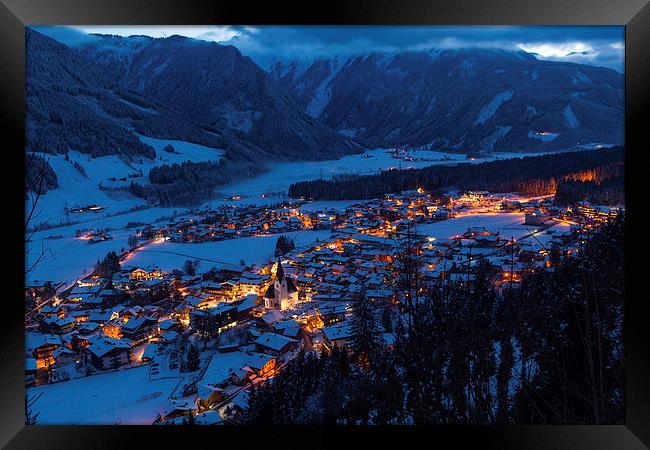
(633, 14)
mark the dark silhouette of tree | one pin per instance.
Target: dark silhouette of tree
(366, 333)
(108, 266)
(283, 245)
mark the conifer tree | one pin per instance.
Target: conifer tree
(366, 339)
(193, 359)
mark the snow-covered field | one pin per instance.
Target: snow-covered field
(69, 257)
(122, 397)
(281, 175)
(508, 225)
(78, 189)
(252, 250)
(324, 205)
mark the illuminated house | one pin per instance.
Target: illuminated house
(337, 336)
(146, 273)
(477, 195)
(536, 217)
(106, 353)
(140, 328)
(283, 293)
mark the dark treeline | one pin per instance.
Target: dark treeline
(190, 182)
(550, 352)
(610, 191)
(530, 175)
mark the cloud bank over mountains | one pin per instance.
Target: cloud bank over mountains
(593, 45)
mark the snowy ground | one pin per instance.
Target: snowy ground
(282, 175)
(508, 225)
(78, 189)
(325, 205)
(253, 250)
(122, 397)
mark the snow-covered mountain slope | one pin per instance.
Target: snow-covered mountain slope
(467, 100)
(95, 98)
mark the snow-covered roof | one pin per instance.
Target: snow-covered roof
(102, 346)
(274, 341)
(338, 332)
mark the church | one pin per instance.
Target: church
(283, 293)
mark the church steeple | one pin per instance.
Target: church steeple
(283, 292)
(279, 273)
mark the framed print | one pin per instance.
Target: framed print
(376, 220)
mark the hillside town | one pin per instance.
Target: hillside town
(213, 335)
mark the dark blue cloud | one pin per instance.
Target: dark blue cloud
(596, 45)
(66, 35)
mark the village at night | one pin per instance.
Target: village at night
(184, 268)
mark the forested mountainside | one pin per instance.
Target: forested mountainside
(95, 99)
(460, 100)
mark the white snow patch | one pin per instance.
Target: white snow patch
(570, 117)
(491, 108)
(323, 92)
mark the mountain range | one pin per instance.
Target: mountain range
(99, 97)
(459, 100)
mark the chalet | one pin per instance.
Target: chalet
(488, 240)
(332, 314)
(212, 321)
(147, 273)
(477, 195)
(288, 328)
(537, 218)
(275, 344)
(168, 325)
(140, 328)
(170, 336)
(224, 368)
(175, 410)
(41, 347)
(64, 356)
(52, 311)
(234, 411)
(337, 336)
(247, 307)
(101, 318)
(106, 353)
(202, 302)
(57, 325)
(380, 295)
(110, 297)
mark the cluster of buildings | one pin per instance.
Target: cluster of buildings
(249, 321)
(229, 222)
